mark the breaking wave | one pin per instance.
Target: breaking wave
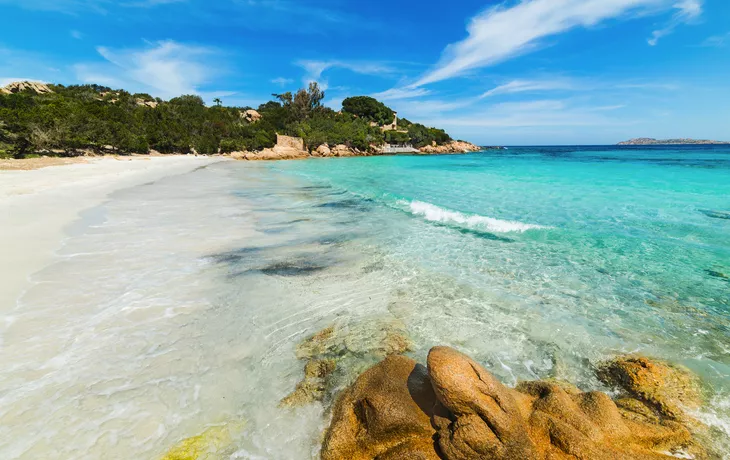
(434, 213)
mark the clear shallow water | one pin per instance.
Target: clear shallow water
(177, 306)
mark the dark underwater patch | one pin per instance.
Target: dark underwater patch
(374, 267)
(288, 268)
(236, 256)
(484, 235)
(716, 214)
(353, 204)
(719, 275)
(297, 221)
(316, 187)
(473, 232)
(293, 268)
(276, 230)
(334, 238)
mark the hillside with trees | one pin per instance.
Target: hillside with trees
(82, 119)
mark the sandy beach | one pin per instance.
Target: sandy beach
(36, 205)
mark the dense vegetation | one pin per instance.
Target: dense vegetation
(73, 119)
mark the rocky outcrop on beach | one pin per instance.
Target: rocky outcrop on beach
(20, 86)
(451, 147)
(286, 148)
(651, 141)
(455, 409)
(292, 148)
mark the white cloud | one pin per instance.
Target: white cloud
(281, 81)
(531, 114)
(314, 69)
(717, 41)
(166, 69)
(395, 94)
(689, 10)
(500, 33)
(76, 34)
(523, 86)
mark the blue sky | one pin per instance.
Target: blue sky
(492, 72)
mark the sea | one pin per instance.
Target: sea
(171, 316)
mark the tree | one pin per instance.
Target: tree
(218, 102)
(369, 108)
(285, 98)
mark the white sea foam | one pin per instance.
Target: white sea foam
(434, 213)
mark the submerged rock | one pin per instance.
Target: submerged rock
(457, 410)
(376, 337)
(337, 353)
(215, 443)
(667, 390)
(314, 386)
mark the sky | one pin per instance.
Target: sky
(529, 72)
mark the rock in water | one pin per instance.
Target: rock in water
(348, 349)
(386, 414)
(451, 147)
(537, 420)
(215, 443)
(665, 389)
(315, 384)
(467, 414)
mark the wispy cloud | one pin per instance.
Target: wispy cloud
(531, 114)
(396, 94)
(281, 81)
(500, 32)
(165, 68)
(688, 11)
(315, 69)
(717, 41)
(524, 86)
(76, 34)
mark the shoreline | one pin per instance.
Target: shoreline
(39, 203)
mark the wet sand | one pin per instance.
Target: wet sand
(36, 205)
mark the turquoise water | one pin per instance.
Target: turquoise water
(543, 260)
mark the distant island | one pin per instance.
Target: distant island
(650, 141)
(89, 120)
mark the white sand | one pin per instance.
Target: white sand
(36, 206)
